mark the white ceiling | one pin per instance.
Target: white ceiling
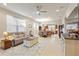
(29, 9)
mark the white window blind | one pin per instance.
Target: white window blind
(15, 24)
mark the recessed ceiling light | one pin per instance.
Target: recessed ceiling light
(5, 4)
(57, 10)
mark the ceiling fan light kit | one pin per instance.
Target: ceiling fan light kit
(39, 10)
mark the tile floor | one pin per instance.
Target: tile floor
(51, 46)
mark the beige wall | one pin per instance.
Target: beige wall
(2, 23)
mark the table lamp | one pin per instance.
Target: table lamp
(5, 34)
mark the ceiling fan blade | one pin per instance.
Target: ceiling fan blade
(43, 11)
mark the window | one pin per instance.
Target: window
(15, 24)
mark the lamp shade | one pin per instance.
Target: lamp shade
(5, 33)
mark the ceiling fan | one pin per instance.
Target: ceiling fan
(39, 10)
